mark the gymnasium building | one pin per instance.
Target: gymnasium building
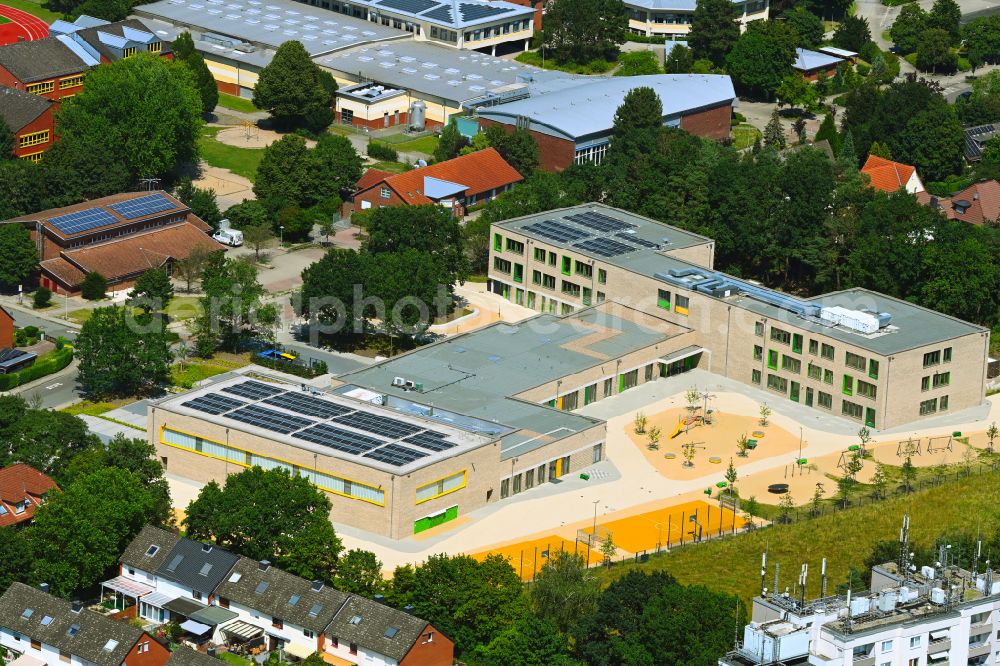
(856, 354)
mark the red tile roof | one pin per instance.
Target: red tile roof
(371, 177)
(22, 482)
(887, 175)
(980, 203)
(479, 172)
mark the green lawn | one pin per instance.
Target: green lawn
(89, 408)
(744, 136)
(34, 8)
(592, 67)
(187, 374)
(241, 161)
(393, 167)
(236, 103)
(234, 659)
(844, 538)
(80, 316)
(403, 143)
(183, 307)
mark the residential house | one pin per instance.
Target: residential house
(976, 139)
(889, 176)
(22, 490)
(979, 203)
(456, 183)
(367, 632)
(37, 625)
(30, 118)
(53, 67)
(810, 64)
(185, 656)
(120, 237)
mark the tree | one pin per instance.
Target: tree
(983, 105)
(608, 548)
(564, 590)
(909, 27)
(336, 166)
(232, 307)
(762, 57)
(532, 642)
(742, 445)
(946, 15)
(638, 63)
(208, 91)
(828, 132)
(80, 533)
(359, 572)
(248, 213)
(786, 505)
(879, 481)
(430, 230)
(909, 472)
(17, 254)
(518, 148)
(982, 41)
(847, 158)
(21, 188)
(731, 477)
(449, 143)
(807, 26)
(292, 89)
(796, 91)
(714, 30)
(991, 434)
(852, 34)
(152, 291)
(6, 141)
(43, 439)
(880, 149)
(258, 237)
(189, 269)
(294, 533)
(817, 500)
(680, 60)
(765, 414)
(654, 438)
(933, 141)
(774, 134)
(15, 556)
(934, 52)
(42, 298)
(140, 115)
(285, 174)
(584, 30)
(201, 201)
(639, 423)
(122, 355)
(94, 286)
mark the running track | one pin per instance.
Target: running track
(22, 24)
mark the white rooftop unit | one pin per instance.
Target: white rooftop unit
(777, 642)
(853, 319)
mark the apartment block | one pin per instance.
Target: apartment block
(870, 358)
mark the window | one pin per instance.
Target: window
(567, 264)
(539, 254)
(848, 408)
(277, 623)
(813, 347)
(925, 383)
(866, 389)
(224, 602)
(71, 82)
(583, 269)
(776, 383)
(609, 386)
(826, 351)
(548, 281)
(497, 242)
(501, 265)
(36, 645)
(873, 368)
(648, 374)
(514, 246)
(814, 372)
(552, 258)
(531, 300)
(570, 289)
(758, 329)
(536, 277)
(797, 343)
(517, 484)
(947, 354)
(518, 273)
(663, 299)
(196, 595)
(794, 394)
(504, 488)
(943, 403)
(772, 359)
(886, 646)
(529, 479)
(597, 453)
(914, 642)
(128, 51)
(847, 388)
(824, 400)
(442, 486)
(758, 352)
(778, 335)
(33, 139)
(628, 380)
(40, 88)
(932, 358)
(308, 634)
(681, 306)
(791, 364)
(586, 296)
(928, 407)
(852, 360)
(755, 376)
(941, 379)
(602, 276)
(589, 394)
(353, 649)
(34, 158)
(600, 297)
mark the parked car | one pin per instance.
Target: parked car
(276, 355)
(230, 237)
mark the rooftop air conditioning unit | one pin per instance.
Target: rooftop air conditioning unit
(398, 381)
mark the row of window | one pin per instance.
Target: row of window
(569, 266)
(937, 380)
(34, 158)
(536, 476)
(794, 340)
(593, 154)
(935, 357)
(497, 30)
(682, 304)
(153, 47)
(823, 399)
(934, 405)
(444, 35)
(33, 139)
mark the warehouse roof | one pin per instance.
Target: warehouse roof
(588, 108)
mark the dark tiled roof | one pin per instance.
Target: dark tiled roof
(374, 624)
(18, 108)
(89, 35)
(40, 60)
(198, 566)
(136, 554)
(97, 638)
(185, 656)
(313, 610)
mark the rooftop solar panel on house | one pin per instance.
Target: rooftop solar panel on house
(82, 220)
(431, 441)
(270, 419)
(341, 440)
(383, 426)
(147, 205)
(254, 390)
(556, 231)
(598, 222)
(214, 404)
(302, 403)
(396, 455)
(412, 6)
(605, 247)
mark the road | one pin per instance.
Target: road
(57, 389)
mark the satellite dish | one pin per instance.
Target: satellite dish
(422, 163)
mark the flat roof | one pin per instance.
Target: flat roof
(440, 71)
(588, 108)
(477, 373)
(456, 14)
(269, 23)
(910, 325)
(351, 425)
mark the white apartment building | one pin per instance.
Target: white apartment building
(672, 18)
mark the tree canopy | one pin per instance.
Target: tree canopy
(762, 57)
(714, 30)
(293, 89)
(17, 254)
(232, 307)
(908, 27)
(852, 34)
(121, 354)
(184, 52)
(807, 26)
(584, 30)
(152, 291)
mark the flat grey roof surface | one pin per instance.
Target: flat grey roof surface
(589, 108)
(455, 14)
(440, 71)
(476, 373)
(270, 23)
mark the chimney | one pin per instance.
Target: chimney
(379, 599)
(44, 587)
(206, 548)
(408, 609)
(76, 606)
(211, 652)
(317, 585)
(264, 565)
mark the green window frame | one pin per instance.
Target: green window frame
(536, 277)
(827, 376)
(814, 372)
(873, 368)
(847, 387)
(553, 257)
(781, 335)
(925, 383)
(824, 400)
(755, 376)
(941, 379)
(518, 273)
(932, 358)
(515, 246)
(813, 347)
(758, 329)
(531, 300)
(947, 354)
(567, 265)
(602, 276)
(497, 243)
(797, 343)
(852, 360)
(582, 268)
(589, 394)
(794, 393)
(501, 265)
(548, 281)
(791, 364)
(827, 351)
(869, 417)
(663, 299)
(866, 389)
(772, 359)
(539, 254)
(586, 296)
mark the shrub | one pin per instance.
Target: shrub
(46, 365)
(94, 286)
(42, 298)
(31, 331)
(964, 65)
(738, 118)
(381, 151)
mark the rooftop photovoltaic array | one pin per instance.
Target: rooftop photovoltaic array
(339, 439)
(556, 231)
(148, 205)
(599, 222)
(429, 440)
(308, 405)
(638, 241)
(214, 404)
(83, 220)
(412, 6)
(254, 390)
(396, 455)
(380, 425)
(476, 12)
(270, 419)
(605, 247)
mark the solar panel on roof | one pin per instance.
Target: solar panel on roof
(605, 247)
(598, 222)
(442, 14)
(380, 425)
(307, 405)
(341, 440)
(556, 231)
(412, 6)
(270, 419)
(82, 220)
(476, 12)
(430, 440)
(254, 390)
(638, 241)
(213, 404)
(396, 455)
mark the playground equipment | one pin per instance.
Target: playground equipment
(941, 443)
(908, 448)
(250, 130)
(687, 422)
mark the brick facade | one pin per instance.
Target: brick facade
(43, 122)
(6, 329)
(438, 650)
(711, 123)
(554, 154)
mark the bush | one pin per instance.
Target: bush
(738, 118)
(94, 286)
(381, 151)
(863, 68)
(42, 298)
(964, 65)
(948, 186)
(31, 331)
(644, 39)
(46, 365)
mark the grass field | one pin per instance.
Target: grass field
(845, 538)
(236, 103)
(402, 143)
(392, 167)
(191, 372)
(4, 19)
(90, 408)
(183, 307)
(33, 8)
(744, 136)
(241, 161)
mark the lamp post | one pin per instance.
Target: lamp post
(596, 502)
(281, 235)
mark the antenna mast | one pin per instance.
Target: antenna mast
(904, 546)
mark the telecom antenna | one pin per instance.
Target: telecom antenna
(763, 573)
(777, 568)
(823, 575)
(904, 546)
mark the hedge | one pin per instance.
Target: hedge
(46, 365)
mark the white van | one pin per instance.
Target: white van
(230, 237)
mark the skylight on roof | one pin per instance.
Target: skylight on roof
(316, 610)
(152, 550)
(391, 632)
(294, 599)
(261, 587)
(28, 612)
(235, 578)
(356, 620)
(110, 645)
(46, 620)
(174, 563)
(205, 569)
(73, 630)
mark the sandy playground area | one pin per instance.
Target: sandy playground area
(251, 136)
